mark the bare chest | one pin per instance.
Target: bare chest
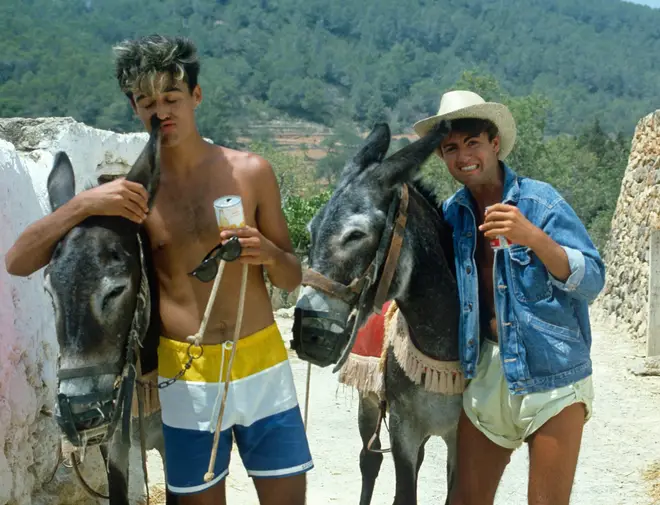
(484, 259)
(184, 214)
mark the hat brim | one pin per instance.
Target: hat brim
(498, 113)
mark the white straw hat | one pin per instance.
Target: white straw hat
(462, 104)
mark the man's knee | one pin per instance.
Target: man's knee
(481, 463)
(282, 491)
(212, 496)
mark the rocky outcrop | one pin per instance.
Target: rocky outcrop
(624, 299)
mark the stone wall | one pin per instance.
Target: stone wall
(29, 440)
(625, 296)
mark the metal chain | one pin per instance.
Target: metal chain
(169, 382)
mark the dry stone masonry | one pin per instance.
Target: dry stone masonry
(624, 299)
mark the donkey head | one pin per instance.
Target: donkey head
(94, 279)
(350, 237)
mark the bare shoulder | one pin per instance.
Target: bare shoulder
(247, 164)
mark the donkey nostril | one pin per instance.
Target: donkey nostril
(112, 295)
(107, 295)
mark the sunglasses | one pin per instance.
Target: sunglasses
(208, 268)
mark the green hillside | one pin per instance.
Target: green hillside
(337, 61)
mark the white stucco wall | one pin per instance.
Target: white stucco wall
(29, 441)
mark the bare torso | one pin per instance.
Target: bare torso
(183, 229)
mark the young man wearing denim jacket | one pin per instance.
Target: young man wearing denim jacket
(525, 336)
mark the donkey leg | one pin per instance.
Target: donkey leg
(452, 453)
(369, 461)
(406, 440)
(420, 459)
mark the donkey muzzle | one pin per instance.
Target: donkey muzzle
(318, 337)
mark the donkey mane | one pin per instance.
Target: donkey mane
(442, 227)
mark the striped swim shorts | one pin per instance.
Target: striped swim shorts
(261, 414)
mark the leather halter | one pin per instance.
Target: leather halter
(355, 291)
(349, 293)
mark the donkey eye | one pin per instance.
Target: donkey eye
(353, 236)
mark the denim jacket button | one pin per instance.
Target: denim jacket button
(468, 270)
(471, 342)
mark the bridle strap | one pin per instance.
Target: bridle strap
(332, 288)
(349, 293)
(89, 371)
(394, 252)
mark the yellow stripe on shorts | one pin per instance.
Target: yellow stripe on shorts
(254, 354)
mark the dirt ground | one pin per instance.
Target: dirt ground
(619, 461)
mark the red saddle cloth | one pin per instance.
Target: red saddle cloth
(369, 341)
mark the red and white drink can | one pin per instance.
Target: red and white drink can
(499, 242)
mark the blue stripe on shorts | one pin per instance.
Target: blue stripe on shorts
(275, 446)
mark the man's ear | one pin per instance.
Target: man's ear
(197, 95)
(496, 144)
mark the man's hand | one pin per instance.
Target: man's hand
(256, 249)
(117, 198)
(508, 221)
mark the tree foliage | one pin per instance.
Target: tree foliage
(338, 62)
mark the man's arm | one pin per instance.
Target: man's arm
(552, 255)
(34, 247)
(560, 241)
(586, 268)
(270, 244)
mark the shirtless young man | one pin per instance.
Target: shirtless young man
(159, 76)
(525, 335)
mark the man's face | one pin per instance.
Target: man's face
(175, 107)
(471, 160)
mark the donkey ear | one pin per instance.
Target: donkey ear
(61, 181)
(373, 150)
(403, 164)
(146, 169)
(375, 147)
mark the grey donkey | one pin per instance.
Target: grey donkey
(104, 294)
(347, 239)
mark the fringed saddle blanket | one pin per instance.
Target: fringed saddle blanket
(364, 369)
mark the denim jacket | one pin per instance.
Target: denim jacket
(543, 323)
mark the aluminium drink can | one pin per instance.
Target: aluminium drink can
(499, 242)
(229, 212)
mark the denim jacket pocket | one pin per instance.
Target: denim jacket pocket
(551, 349)
(553, 330)
(530, 279)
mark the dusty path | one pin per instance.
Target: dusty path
(620, 442)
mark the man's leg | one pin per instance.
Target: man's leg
(481, 464)
(553, 454)
(282, 491)
(212, 496)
